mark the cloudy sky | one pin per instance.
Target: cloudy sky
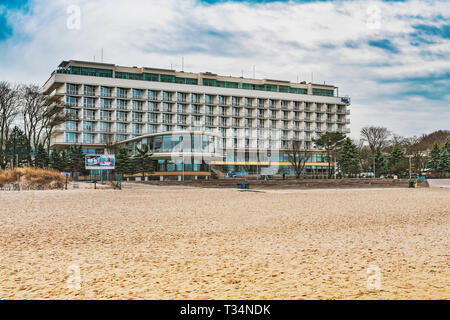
(391, 57)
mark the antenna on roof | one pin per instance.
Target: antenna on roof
(242, 73)
(254, 74)
(182, 63)
(102, 55)
(94, 58)
(312, 77)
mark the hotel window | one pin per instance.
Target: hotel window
(121, 137)
(71, 113)
(89, 90)
(137, 93)
(88, 126)
(284, 104)
(71, 126)
(137, 116)
(181, 97)
(121, 104)
(248, 102)
(137, 105)
(153, 117)
(222, 100)
(121, 127)
(105, 115)
(88, 138)
(195, 98)
(137, 128)
(181, 108)
(209, 99)
(88, 102)
(104, 126)
(105, 103)
(196, 109)
(122, 116)
(89, 114)
(167, 96)
(121, 93)
(235, 101)
(181, 119)
(167, 107)
(151, 128)
(260, 103)
(167, 118)
(71, 137)
(272, 104)
(71, 88)
(105, 92)
(152, 106)
(71, 101)
(152, 94)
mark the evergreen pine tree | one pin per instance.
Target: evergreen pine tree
(444, 161)
(65, 161)
(348, 158)
(124, 163)
(41, 158)
(381, 166)
(142, 161)
(56, 160)
(398, 163)
(17, 148)
(433, 158)
(76, 159)
(446, 145)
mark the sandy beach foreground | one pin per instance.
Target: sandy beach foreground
(225, 244)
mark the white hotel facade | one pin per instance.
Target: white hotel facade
(105, 103)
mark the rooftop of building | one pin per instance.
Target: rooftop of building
(98, 69)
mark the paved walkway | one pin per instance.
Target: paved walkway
(439, 183)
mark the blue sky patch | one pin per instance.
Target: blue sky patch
(384, 44)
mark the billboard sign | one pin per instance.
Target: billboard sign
(100, 162)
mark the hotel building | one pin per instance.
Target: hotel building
(250, 122)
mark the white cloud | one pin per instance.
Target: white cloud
(283, 40)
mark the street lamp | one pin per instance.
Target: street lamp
(410, 156)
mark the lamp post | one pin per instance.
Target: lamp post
(374, 172)
(410, 156)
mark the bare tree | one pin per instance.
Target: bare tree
(53, 117)
(33, 110)
(40, 116)
(297, 157)
(9, 109)
(365, 158)
(376, 137)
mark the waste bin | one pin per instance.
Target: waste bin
(243, 186)
(411, 184)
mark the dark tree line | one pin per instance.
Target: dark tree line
(378, 152)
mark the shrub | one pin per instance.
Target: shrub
(32, 178)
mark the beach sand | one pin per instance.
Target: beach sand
(225, 244)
